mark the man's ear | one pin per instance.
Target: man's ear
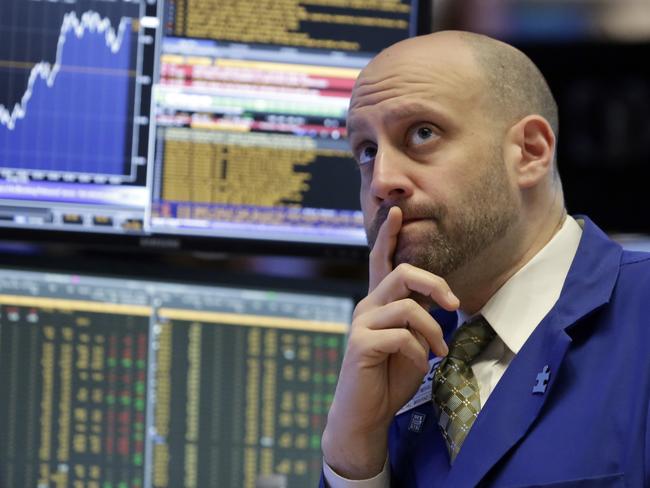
(530, 150)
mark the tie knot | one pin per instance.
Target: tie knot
(470, 339)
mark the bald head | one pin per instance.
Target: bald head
(512, 86)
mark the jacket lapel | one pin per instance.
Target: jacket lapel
(514, 405)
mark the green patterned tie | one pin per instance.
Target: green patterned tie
(455, 390)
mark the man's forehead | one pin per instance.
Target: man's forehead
(430, 73)
(435, 71)
(443, 95)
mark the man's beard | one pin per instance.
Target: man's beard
(480, 217)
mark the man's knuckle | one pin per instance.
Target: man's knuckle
(411, 306)
(403, 269)
(361, 307)
(403, 337)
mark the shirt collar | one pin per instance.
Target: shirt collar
(524, 300)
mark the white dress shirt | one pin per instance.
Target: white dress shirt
(513, 312)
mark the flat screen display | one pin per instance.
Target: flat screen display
(111, 382)
(185, 118)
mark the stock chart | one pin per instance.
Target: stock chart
(67, 86)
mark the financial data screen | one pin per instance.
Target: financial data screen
(113, 383)
(204, 118)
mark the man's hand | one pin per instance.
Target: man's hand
(386, 357)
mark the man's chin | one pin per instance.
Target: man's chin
(434, 257)
(411, 255)
(413, 246)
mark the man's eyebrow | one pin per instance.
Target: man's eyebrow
(404, 111)
(393, 114)
(353, 125)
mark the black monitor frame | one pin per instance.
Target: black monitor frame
(137, 239)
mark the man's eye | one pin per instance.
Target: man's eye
(367, 154)
(421, 134)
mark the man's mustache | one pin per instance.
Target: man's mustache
(409, 212)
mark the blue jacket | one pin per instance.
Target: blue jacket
(587, 424)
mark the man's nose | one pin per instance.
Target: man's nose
(390, 181)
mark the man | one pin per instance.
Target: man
(454, 135)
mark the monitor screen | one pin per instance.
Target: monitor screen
(185, 118)
(127, 383)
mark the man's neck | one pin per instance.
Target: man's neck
(476, 282)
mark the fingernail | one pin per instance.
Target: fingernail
(452, 298)
(445, 349)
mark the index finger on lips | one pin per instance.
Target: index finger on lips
(381, 255)
(405, 280)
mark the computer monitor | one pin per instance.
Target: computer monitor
(185, 121)
(119, 382)
(74, 116)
